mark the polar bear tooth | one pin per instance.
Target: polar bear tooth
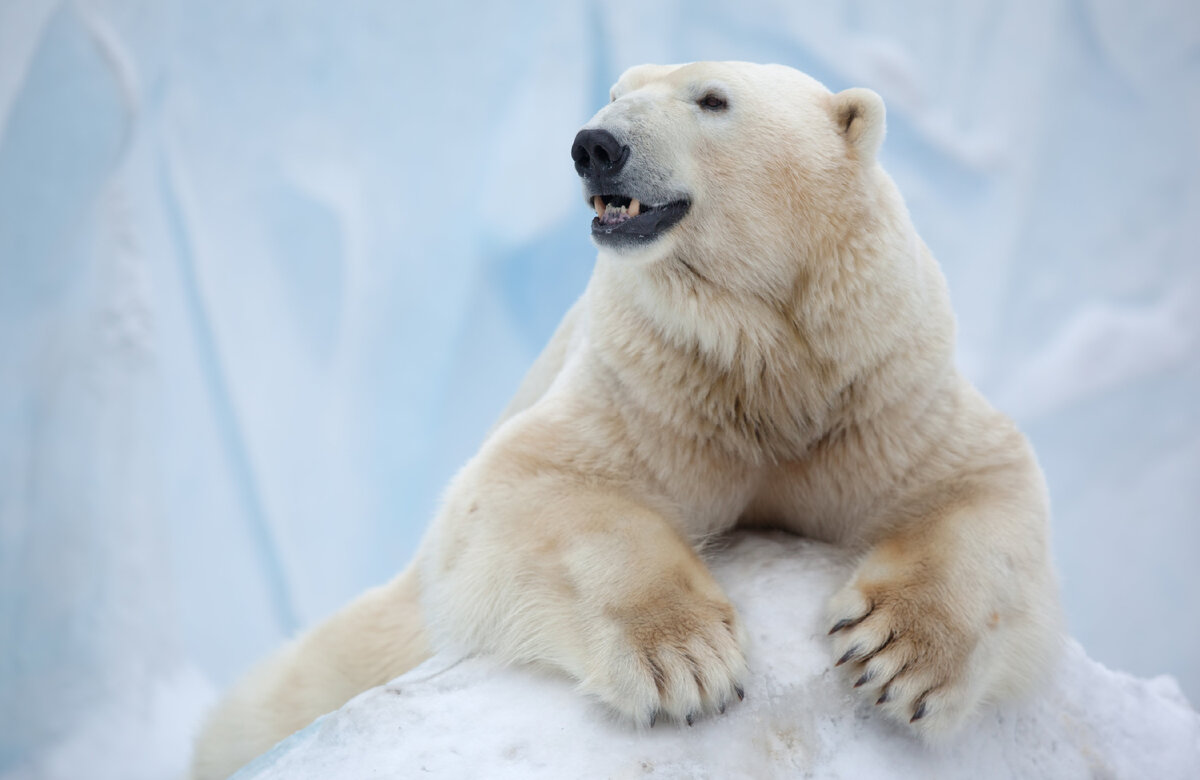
(598, 204)
(635, 208)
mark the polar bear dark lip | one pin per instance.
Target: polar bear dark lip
(652, 222)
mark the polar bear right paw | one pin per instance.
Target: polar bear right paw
(909, 653)
(677, 655)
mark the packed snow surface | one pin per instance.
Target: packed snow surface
(472, 718)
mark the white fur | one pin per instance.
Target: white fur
(781, 357)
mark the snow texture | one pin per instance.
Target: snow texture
(471, 718)
(269, 270)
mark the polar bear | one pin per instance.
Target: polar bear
(765, 341)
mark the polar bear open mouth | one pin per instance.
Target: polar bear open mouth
(622, 218)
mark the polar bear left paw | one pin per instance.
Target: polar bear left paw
(678, 655)
(905, 651)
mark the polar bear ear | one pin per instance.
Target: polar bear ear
(860, 117)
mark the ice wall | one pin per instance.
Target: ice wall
(268, 270)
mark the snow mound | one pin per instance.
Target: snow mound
(474, 718)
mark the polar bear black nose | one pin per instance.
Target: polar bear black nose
(598, 153)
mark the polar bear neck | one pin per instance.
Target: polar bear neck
(765, 377)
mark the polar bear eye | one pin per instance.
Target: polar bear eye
(713, 102)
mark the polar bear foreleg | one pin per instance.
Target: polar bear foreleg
(951, 610)
(546, 570)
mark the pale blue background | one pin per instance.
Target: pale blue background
(269, 270)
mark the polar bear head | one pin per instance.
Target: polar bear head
(725, 164)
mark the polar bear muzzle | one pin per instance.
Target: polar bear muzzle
(623, 219)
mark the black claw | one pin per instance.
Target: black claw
(691, 716)
(885, 697)
(721, 709)
(920, 713)
(740, 693)
(847, 622)
(838, 626)
(866, 678)
(653, 718)
(853, 651)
